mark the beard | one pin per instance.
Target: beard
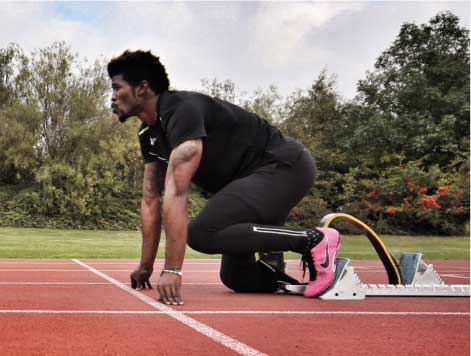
(123, 113)
(123, 119)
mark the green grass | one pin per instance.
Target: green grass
(48, 243)
(432, 247)
(52, 243)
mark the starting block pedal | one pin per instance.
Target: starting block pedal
(415, 271)
(420, 280)
(346, 284)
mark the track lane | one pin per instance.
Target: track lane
(213, 334)
(271, 324)
(105, 335)
(348, 334)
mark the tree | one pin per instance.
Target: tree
(225, 90)
(419, 92)
(267, 104)
(317, 118)
(7, 60)
(63, 157)
(412, 123)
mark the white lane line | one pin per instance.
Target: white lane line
(383, 272)
(124, 312)
(215, 271)
(54, 283)
(217, 263)
(455, 276)
(236, 312)
(441, 271)
(36, 263)
(292, 264)
(130, 270)
(184, 270)
(102, 270)
(233, 344)
(42, 270)
(92, 283)
(323, 312)
(203, 283)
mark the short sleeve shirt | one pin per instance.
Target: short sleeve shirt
(235, 142)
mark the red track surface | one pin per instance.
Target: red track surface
(58, 307)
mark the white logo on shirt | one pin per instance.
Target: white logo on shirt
(153, 140)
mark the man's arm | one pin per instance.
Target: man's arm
(183, 163)
(151, 222)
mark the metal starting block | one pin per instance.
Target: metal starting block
(420, 280)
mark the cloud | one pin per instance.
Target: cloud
(35, 25)
(281, 30)
(194, 40)
(157, 26)
(253, 43)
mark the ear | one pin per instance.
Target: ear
(142, 88)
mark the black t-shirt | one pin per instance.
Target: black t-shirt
(235, 141)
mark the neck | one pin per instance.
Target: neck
(148, 114)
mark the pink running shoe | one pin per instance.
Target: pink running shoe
(320, 259)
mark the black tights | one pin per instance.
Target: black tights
(247, 216)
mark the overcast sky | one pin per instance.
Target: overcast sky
(255, 44)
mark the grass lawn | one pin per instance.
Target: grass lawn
(48, 243)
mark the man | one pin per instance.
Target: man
(255, 173)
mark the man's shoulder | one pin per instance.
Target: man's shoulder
(173, 99)
(177, 105)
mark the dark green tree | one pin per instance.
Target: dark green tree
(7, 66)
(64, 160)
(417, 98)
(225, 90)
(317, 119)
(267, 104)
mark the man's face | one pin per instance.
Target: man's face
(124, 102)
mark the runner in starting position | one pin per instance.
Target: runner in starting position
(256, 174)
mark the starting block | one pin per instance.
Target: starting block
(419, 280)
(411, 277)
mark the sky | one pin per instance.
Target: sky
(255, 44)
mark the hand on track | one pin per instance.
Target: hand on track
(140, 278)
(169, 289)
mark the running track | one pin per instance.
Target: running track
(86, 307)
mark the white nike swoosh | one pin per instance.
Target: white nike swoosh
(325, 264)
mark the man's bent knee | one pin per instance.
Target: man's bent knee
(199, 239)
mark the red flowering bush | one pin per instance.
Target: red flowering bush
(413, 199)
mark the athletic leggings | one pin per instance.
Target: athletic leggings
(247, 216)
